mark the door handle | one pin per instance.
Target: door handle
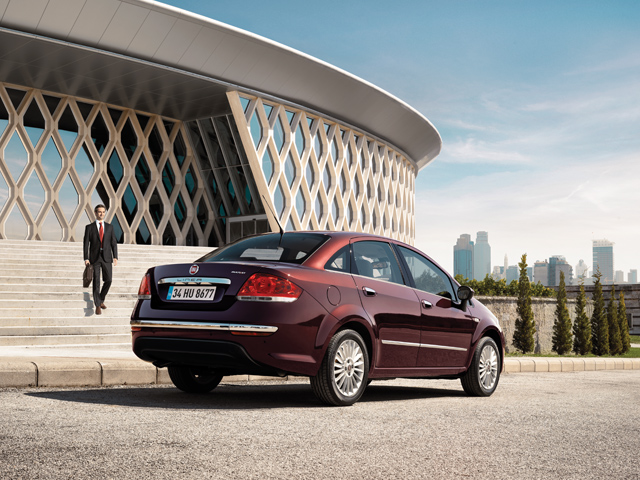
(369, 292)
(426, 304)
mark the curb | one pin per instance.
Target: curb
(57, 372)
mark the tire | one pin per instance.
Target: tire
(344, 371)
(483, 375)
(194, 380)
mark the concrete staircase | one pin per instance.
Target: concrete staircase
(43, 303)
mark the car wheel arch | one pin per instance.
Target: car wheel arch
(496, 337)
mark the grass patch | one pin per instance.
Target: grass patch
(635, 338)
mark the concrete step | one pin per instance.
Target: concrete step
(67, 303)
(29, 331)
(118, 281)
(63, 312)
(51, 320)
(62, 340)
(71, 295)
(32, 289)
(68, 271)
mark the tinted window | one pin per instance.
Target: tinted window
(376, 260)
(426, 275)
(340, 261)
(292, 248)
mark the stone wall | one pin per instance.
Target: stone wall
(544, 310)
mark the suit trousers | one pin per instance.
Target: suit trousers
(99, 294)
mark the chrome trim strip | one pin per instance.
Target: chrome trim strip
(402, 344)
(226, 327)
(266, 299)
(195, 281)
(423, 345)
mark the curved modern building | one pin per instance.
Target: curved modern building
(191, 131)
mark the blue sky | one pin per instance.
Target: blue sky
(537, 103)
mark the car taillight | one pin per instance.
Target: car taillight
(144, 292)
(264, 287)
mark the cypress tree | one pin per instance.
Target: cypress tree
(581, 328)
(615, 344)
(523, 339)
(562, 323)
(599, 327)
(624, 325)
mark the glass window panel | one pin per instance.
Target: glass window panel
(117, 229)
(190, 182)
(99, 196)
(179, 149)
(114, 169)
(129, 139)
(192, 238)
(115, 115)
(52, 103)
(198, 145)
(168, 125)
(326, 178)
(84, 165)
(34, 194)
(155, 144)
(68, 198)
(301, 204)
(335, 210)
(85, 109)
(256, 129)
(300, 141)
(68, 128)
(214, 144)
(4, 117)
(168, 178)
(318, 145)
(363, 160)
(268, 109)
(245, 103)
(156, 208)
(15, 156)
(4, 192)
(237, 154)
(278, 134)
(143, 174)
(349, 155)
(267, 165)
(51, 228)
(202, 214)
(334, 151)
(376, 260)
(349, 215)
(168, 237)
(319, 208)
(290, 116)
(227, 142)
(290, 170)
(326, 128)
(375, 220)
(363, 217)
(426, 276)
(278, 200)
(51, 161)
(231, 190)
(99, 134)
(355, 186)
(340, 262)
(311, 176)
(16, 96)
(343, 182)
(34, 122)
(129, 204)
(143, 236)
(143, 120)
(180, 211)
(15, 226)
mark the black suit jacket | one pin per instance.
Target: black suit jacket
(91, 243)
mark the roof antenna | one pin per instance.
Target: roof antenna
(276, 219)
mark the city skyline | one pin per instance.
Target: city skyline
(536, 104)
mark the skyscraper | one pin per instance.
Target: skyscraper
(582, 269)
(463, 256)
(603, 259)
(481, 256)
(633, 276)
(557, 264)
(619, 277)
(541, 272)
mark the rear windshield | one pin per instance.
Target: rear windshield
(294, 247)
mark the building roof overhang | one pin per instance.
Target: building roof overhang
(148, 56)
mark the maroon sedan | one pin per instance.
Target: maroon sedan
(341, 308)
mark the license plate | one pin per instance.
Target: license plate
(191, 293)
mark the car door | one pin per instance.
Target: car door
(446, 330)
(390, 304)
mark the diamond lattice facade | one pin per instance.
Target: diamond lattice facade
(184, 139)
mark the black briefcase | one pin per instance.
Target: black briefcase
(87, 276)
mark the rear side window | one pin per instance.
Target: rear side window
(426, 275)
(291, 248)
(376, 260)
(340, 260)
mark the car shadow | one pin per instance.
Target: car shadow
(231, 397)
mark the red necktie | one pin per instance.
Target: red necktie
(101, 233)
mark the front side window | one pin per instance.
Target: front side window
(376, 260)
(290, 248)
(426, 276)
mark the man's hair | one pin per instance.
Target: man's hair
(95, 210)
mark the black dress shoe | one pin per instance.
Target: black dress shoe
(103, 306)
(98, 311)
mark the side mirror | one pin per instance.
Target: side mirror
(464, 294)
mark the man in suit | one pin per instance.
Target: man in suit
(100, 250)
